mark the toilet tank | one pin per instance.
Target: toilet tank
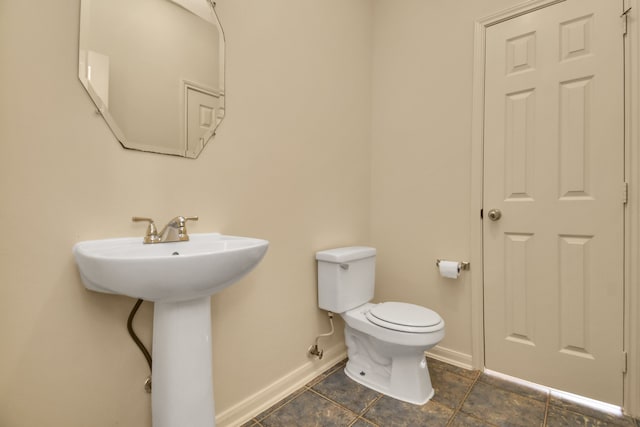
(346, 277)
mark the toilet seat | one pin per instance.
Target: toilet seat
(404, 317)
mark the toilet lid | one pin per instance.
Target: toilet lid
(405, 317)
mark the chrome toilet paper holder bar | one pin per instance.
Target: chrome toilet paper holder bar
(462, 265)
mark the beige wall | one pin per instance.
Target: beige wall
(327, 141)
(421, 153)
(291, 164)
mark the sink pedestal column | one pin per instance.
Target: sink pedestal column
(182, 393)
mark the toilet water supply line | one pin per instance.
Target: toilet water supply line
(314, 350)
(143, 349)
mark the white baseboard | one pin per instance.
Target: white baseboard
(451, 357)
(273, 393)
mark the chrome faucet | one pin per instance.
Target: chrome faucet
(174, 231)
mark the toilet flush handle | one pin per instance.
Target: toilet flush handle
(344, 266)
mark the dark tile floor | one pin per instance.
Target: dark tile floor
(462, 398)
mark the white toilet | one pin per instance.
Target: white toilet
(385, 342)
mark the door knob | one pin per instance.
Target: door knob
(495, 214)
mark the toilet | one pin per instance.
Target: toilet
(386, 341)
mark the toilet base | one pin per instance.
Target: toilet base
(377, 386)
(400, 373)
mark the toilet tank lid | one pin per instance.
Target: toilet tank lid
(351, 253)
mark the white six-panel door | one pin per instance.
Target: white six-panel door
(554, 169)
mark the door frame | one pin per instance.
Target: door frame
(631, 344)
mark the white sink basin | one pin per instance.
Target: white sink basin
(179, 271)
(180, 278)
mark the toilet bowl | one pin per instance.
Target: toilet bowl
(386, 341)
(391, 361)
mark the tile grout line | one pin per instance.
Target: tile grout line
(290, 398)
(546, 409)
(367, 408)
(287, 399)
(459, 406)
(359, 416)
(328, 399)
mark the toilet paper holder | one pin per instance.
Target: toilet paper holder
(462, 265)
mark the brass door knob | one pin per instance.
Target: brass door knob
(495, 214)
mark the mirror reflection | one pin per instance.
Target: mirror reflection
(155, 70)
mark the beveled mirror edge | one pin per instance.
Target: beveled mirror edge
(221, 90)
(102, 109)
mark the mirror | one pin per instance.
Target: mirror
(155, 71)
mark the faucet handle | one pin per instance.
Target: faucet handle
(152, 231)
(176, 229)
(180, 220)
(183, 226)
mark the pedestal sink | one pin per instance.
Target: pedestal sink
(179, 278)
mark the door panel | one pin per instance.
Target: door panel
(553, 166)
(202, 110)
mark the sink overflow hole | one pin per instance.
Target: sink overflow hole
(176, 253)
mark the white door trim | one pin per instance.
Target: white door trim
(632, 214)
(632, 174)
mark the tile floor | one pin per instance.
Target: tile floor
(463, 398)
